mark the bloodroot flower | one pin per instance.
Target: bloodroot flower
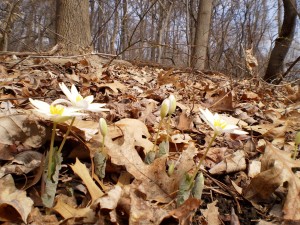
(218, 124)
(56, 113)
(77, 101)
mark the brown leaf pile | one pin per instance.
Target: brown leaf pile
(255, 168)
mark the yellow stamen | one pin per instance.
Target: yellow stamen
(220, 123)
(56, 109)
(78, 98)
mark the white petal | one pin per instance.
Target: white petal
(208, 117)
(42, 106)
(60, 100)
(74, 91)
(89, 99)
(97, 107)
(240, 132)
(66, 91)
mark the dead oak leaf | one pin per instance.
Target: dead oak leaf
(156, 184)
(276, 169)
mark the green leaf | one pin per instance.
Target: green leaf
(51, 184)
(163, 148)
(184, 189)
(149, 158)
(198, 186)
(100, 164)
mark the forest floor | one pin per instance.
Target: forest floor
(249, 179)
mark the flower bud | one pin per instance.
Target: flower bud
(172, 104)
(164, 110)
(103, 127)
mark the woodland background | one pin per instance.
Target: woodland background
(157, 31)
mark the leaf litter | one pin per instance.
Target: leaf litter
(253, 173)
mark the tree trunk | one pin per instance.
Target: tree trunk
(124, 29)
(282, 43)
(73, 26)
(202, 34)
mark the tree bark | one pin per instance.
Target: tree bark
(73, 26)
(202, 34)
(282, 43)
(124, 29)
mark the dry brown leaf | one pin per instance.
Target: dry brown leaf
(185, 122)
(276, 169)
(222, 100)
(249, 95)
(233, 163)
(23, 163)
(67, 212)
(234, 218)
(35, 217)
(186, 211)
(21, 130)
(144, 212)
(139, 131)
(212, 213)
(115, 86)
(13, 201)
(81, 170)
(111, 198)
(156, 184)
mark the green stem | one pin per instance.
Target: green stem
(66, 135)
(168, 127)
(295, 152)
(102, 147)
(51, 151)
(203, 157)
(155, 142)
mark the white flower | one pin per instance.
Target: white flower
(57, 113)
(77, 101)
(218, 124)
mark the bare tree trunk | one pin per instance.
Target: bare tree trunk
(279, 14)
(164, 16)
(124, 28)
(73, 26)
(202, 34)
(282, 43)
(115, 30)
(8, 22)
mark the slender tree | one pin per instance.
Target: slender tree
(282, 43)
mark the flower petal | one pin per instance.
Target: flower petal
(89, 99)
(74, 91)
(97, 107)
(43, 106)
(66, 91)
(60, 100)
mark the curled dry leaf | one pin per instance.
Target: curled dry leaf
(276, 169)
(233, 163)
(13, 201)
(23, 163)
